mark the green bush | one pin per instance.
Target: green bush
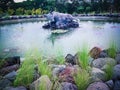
(88, 9)
(1, 11)
(10, 11)
(38, 11)
(19, 11)
(80, 9)
(28, 12)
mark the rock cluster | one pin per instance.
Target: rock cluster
(63, 75)
(60, 21)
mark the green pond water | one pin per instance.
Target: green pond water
(18, 37)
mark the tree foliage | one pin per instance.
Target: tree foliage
(32, 7)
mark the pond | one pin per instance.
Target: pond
(17, 38)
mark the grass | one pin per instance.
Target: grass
(2, 62)
(83, 57)
(112, 50)
(109, 71)
(82, 79)
(42, 64)
(59, 57)
(26, 73)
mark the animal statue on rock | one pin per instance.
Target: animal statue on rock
(60, 21)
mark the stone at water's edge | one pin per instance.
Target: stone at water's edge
(117, 58)
(110, 84)
(44, 81)
(9, 69)
(17, 88)
(97, 75)
(60, 21)
(117, 85)
(10, 61)
(68, 86)
(11, 76)
(95, 52)
(98, 86)
(70, 59)
(101, 62)
(116, 72)
(4, 83)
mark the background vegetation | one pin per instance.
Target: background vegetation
(35, 7)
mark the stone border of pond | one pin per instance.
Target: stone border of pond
(15, 17)
(102, 15)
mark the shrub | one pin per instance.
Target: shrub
(28, 12)
(1, 11)
(10, 11)
(38, 11)
(80, 9)
(19, 11)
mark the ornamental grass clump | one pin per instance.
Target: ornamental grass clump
(109, 71)
(83, 58)
(112, 50)
(43, 68)
(59, 57)
(26, 73)
(82, 79)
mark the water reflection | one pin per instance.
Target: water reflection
(16, 39)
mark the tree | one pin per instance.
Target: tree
(5, 4)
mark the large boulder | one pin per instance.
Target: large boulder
(9, 69)
(11, 76)
(97, 75)
(95, 52)
(60, 21)
(98, 86)
(101, 62)
(4, 83)
(103, 54)
(9, 61)
(70, 59)
(110, 84)
(117, 85)
(67, 74)
(68, 86)
(43, 83)
(116, 72)
(117, 58)
(15, 88)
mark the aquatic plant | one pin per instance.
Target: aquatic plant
(112, 50)
(109, 71)
(83, 57)
(82, 79)
(26, 73)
